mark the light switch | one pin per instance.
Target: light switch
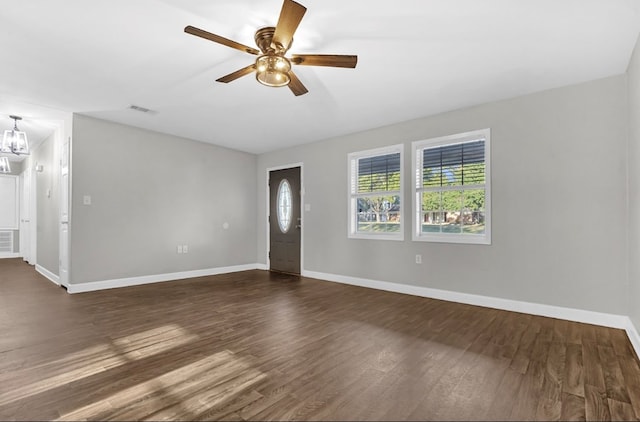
(86, 200)
(307, 207)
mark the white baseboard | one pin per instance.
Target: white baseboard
(156, 278)
(5, 255)
(570, 314)
(48, 274)
(634, 337)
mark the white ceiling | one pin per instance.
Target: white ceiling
(415, 58)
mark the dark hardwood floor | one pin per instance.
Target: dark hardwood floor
(256, 346)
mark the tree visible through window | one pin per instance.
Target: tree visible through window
(452, 194)
(375, 193)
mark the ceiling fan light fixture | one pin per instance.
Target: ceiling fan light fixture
(14, 141)
(4, 165)
(273, 70)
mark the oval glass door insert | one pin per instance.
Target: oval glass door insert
(284, 206)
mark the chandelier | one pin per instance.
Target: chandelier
(14, 141)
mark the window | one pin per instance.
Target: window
(375, 194)
(284, 201)
(452, 197)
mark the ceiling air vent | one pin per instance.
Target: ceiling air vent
(142, 109)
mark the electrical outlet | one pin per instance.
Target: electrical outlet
(179, 249)
(185, 248)
(418, 259)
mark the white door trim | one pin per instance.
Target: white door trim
(33, 217)
(64, 208)
(25, 220)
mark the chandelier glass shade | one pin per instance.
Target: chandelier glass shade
(4, 165)
(14, 141)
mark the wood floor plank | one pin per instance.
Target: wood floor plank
(631, 373)
(593, 370)
(596, 404)
(474, 392)
(258, 345)
(574, 333)
(573, 408)
(522, 356)
(505, 396)
(613, 378)
(550, 403)
(620, 343)
(621, 411)
(603, 335)
(443, 401)
(574, 375)
(528, 395)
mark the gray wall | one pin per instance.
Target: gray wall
(151, 192)
(47, 203)
(558, 198)
(16, 167)
(633, 75)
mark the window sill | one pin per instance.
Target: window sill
(452, 238)
(376, 237)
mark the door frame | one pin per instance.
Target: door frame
(25, 203)
(302, 211)
(33, 215)
(64, 210)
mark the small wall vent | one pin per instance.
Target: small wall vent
(6, 241)
(141, 109)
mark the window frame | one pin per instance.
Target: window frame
(352, 216)
(417, 148)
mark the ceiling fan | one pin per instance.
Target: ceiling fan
(272, 67)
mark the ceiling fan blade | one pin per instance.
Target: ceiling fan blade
(220, 40)
(331, 60)
(290, 17)
(237, 74)
(296, 86)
